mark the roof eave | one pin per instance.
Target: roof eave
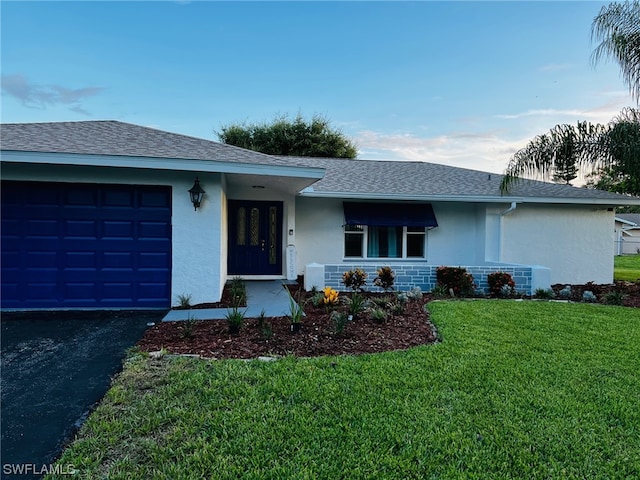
(160, 163)
(309, 192)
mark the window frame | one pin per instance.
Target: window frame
(364, 242)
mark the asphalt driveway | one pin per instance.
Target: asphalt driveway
(55, 367)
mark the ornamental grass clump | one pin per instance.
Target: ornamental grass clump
(355, 279)
(357, 304)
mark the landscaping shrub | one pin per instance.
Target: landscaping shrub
(456, 279)
(615, 297)
(354, 279)
(501, 284)
(386, 277)
(544, 293)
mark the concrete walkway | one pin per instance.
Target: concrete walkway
(267, 295)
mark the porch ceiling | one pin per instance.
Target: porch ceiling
(282, 184)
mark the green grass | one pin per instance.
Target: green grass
(514, 390)
(626, 267)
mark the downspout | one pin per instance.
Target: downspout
(502, 215)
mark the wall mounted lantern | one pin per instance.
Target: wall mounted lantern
(196, 193)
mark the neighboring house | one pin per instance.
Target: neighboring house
(98, 215)
(627, 234)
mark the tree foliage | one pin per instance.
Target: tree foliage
(609, 153)
(293, 137)
(621, 147)
(558, 154)
(617, 28)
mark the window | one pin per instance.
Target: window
(384, 242)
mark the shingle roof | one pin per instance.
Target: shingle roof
(630, 217)
(343, 176)
(121, 139)
(411, 179)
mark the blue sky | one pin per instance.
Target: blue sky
(459, 83)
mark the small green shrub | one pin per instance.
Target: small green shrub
(383, 302)
(356, 304)
(588, 296)
(501, 284)
(262, 318)
(614, 297)
(295, 310)
(235, 319)
(456, 279)
(385, 279)
(354, 279)
(184, 300)
(317, 299)
(439, 291)
(544, 294)
(188, 327)
(339, 320)
(379, 315)
(396, 308)
(266, 330)
(238, 291)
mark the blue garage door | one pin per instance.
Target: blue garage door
(85, 246)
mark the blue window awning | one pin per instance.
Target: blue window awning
(389, 214)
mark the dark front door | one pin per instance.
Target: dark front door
(255, 238)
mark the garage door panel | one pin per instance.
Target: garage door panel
(85, 229)
(75, 245)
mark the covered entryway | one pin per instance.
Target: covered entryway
(68, 245)
(255, 238)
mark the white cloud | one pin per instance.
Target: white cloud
(42, 96)
(486, 151)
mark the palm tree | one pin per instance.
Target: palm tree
(610, 152)
(558, 154)
(620, 150)
(617, 28)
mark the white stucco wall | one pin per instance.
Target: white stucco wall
(458, 240)
(575, 242)
(197, 269)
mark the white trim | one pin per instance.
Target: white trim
(628, 222)
(365, 242)
(309, 192)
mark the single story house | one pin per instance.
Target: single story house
(627, 234)
(102, 214)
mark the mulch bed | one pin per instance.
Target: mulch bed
(629, 290)
(318, 336)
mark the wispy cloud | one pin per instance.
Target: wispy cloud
(43, 96)
(487, 151)
(555, 67)
(602, 113)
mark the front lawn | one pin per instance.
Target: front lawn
(514, 390)
(626, 267)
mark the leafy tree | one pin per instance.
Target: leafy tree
(294, 137)
(617, 28)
